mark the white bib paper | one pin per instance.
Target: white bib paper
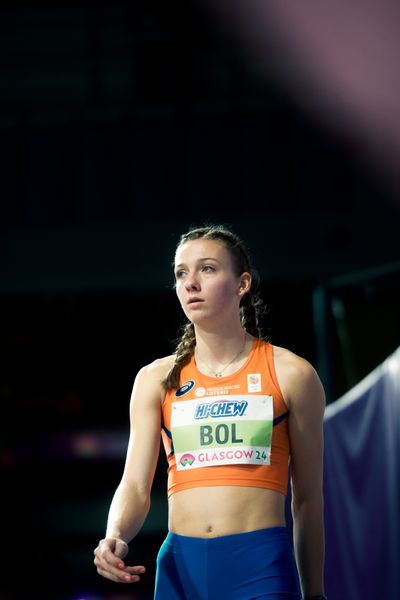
(226, 430)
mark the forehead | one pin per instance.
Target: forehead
(201, 248)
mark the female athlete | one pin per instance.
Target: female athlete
(233, 412)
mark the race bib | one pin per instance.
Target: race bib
(229, 430)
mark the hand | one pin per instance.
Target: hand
(108, 560)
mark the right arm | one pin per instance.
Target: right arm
(131, 501)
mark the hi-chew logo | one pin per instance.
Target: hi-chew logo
(220, 409)
(187, 459)
(185, 388)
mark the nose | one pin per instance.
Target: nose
(191, 282)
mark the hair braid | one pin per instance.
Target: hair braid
(184, 350)
(251, 312)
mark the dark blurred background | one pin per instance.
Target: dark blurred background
(122, 124)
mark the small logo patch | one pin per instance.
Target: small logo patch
(199, 392)
(254, 382)
(185, 388)
(187, 459)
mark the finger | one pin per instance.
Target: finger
(107, 556)
(137, 570)
(106, 562)
(116, 568)
(118, 576)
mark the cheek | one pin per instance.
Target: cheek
(178, 291)
(225, 293)
(180, 294)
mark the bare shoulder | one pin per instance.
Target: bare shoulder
(297, 378)
(291, 364)
(159, 368)
(149, 380)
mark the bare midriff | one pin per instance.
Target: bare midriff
(224, 510)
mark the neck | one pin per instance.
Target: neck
(219, 345)
(219, 355)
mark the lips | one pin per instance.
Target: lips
(195, 300)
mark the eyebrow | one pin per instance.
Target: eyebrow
(199, 260)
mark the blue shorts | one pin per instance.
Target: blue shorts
(243, 566)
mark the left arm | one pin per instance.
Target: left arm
(305, 397)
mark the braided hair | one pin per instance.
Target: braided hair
(251, 306)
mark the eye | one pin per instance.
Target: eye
(208, 269)
(179, 274)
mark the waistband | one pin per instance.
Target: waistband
(269, 534)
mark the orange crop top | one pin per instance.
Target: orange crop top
(229, 430)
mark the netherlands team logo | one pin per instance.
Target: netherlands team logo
(254, 382)
(185, 388)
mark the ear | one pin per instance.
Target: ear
(244, 284)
